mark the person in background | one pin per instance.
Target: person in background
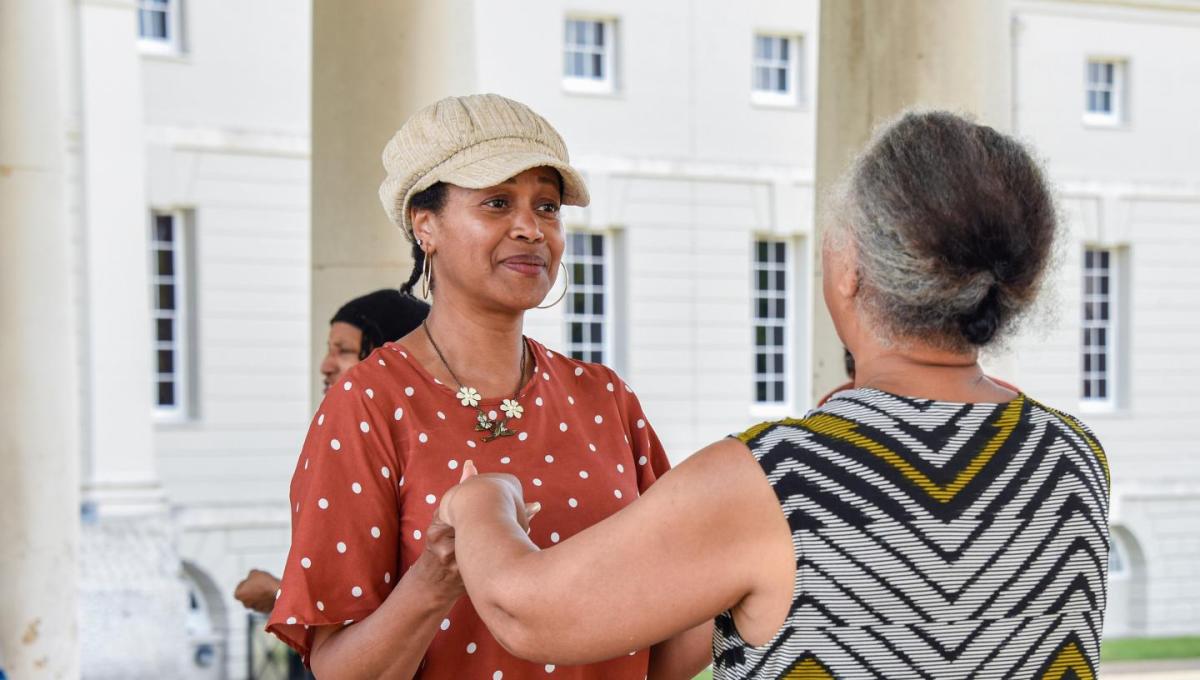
(929, 523)
(359, 327)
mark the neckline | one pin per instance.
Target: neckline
(525, 391)
(842, 395)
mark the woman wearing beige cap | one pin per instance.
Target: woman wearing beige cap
(371, 588)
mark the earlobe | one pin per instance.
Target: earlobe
(423, 230)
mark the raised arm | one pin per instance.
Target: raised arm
(705, 537)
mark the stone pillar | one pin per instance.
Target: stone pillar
(374, 63)
(133, 602)
(879, 57)
(39, 462)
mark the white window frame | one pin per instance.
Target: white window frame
(608, 62)
(173, 44)
(607, 290)
(772, 407)
(180, 343)
(1090, 328)
(1116, 91)
(793, 65)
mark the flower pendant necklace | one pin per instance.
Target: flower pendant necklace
(469, 396)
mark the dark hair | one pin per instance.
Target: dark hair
(382, 316)
(432, 199)
(954, 227)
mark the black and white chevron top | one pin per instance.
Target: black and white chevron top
(933, 540)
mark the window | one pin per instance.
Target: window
(770, 321)
(776, 70)
(1104, 92)
(158, 26)
(1099, 327)
(587, 310)
(169, 296)
(588, 55)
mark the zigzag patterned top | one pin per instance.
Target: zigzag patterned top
(933, 540)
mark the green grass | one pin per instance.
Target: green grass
(1127, 649)
(1142, 649)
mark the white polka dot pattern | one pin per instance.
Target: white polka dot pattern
(352, 522)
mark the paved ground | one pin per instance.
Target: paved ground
(1185, 669)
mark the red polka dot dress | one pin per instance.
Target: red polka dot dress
(389, 440)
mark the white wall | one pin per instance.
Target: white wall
(227, 141)
(1136, 188)
(687, 170)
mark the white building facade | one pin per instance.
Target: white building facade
(693, 267)
(1099, 93)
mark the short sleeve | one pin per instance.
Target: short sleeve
(648, 453)
(345, 551)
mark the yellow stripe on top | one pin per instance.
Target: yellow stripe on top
(841, 429)
(1092, 443)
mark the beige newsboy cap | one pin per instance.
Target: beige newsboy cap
(473, 142)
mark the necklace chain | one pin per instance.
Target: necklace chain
(494, 428)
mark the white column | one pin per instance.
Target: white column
(879, 57)
(373, 65)
(133, 602)
(39, 463)
(119, 467)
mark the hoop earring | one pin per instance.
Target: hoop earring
(567, 278)
(426, 275)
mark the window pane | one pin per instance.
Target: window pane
(597, 67)
(760, 390)
(762, 47)
(166, 361)
(778, 335)
(598, 304)
(760, 363)
(762, 249)
(780, 280)
(760, 336)
(599, 33)
(164, 228)
(165, 330)
(166, 393)
(1104, 259)
(784, 44)
(777, 363)
(576, 332)
(165, 261)
(1087, 389)
(166, 297)
(778, 395)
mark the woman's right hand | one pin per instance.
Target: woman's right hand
(436, 566)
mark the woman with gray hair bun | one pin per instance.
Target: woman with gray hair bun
(927, 523)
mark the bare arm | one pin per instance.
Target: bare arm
(390, 643)
(669, 562)
(683, 656)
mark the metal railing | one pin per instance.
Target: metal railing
(267, 658)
